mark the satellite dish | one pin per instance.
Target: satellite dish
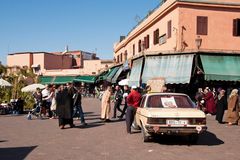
(137, 18)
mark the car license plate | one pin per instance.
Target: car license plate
(177, 122)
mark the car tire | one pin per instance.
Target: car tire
(135, 126)
(146, 137)
(193, 138)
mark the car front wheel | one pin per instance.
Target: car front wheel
(146, 136)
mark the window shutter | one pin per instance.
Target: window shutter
(169, 29)
(154, 37)
(134, 49)
(236, 27)
(157, 36)
(139, 46)
(147, 41)
(202, 25)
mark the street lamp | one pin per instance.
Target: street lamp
(198, 42)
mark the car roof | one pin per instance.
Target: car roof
(165, 93)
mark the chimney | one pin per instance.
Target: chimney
(66, 48)
(122, 38)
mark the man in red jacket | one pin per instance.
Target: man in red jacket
(133, 102)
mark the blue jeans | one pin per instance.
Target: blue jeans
(78, 112)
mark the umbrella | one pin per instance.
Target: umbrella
(4, 83)
(123, 82)
(32, 87)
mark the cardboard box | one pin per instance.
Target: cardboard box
(156, 84)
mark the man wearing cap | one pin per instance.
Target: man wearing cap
(133, 101)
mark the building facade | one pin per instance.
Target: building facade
(184, 26)
(58, 63)
(190, 43)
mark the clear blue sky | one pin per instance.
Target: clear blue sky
(50, 25)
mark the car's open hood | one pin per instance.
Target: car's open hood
(173, 112)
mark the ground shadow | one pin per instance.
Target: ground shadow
(92, 118)
(17, 153)
(207, 138)
(135, 131)
(1, 141)
(89, 125)
(88, 113)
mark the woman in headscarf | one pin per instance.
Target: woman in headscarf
(233, 108)
(221, 105)
(210, 103)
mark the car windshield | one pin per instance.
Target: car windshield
(169, 101)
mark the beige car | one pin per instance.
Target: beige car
(169, 113)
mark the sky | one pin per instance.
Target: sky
(50, 25)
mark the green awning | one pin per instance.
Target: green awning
(112, 73)
(63, 79)
(136, 71)
(115, 77)
(46, 79)
(86, 79)
(175, 69)
(102, 76)
(221, 67)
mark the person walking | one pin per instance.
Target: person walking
(209, 101)
(221, 105)
(53, 103)
(77, 103)
(118, 96)
(133, 102)
(64, 107)
(126, 92)
(37, 95)
(105, 108)
(46, 101)
(233, 108)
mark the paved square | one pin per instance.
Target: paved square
(42, 139)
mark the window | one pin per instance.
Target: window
(121, 56)
(133, 49)
(118, 59)
(156, 37)
(169, 26)
(143, 102)
(125, 55)
(236, 27)
(139, 46)
(146, 42)
(202, 25)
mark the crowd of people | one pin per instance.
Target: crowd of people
(131, 99)
(214, 102)
(65, 103)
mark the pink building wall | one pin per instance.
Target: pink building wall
(57, 62)
(220, 27)
(183, 16)
(19, 60)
